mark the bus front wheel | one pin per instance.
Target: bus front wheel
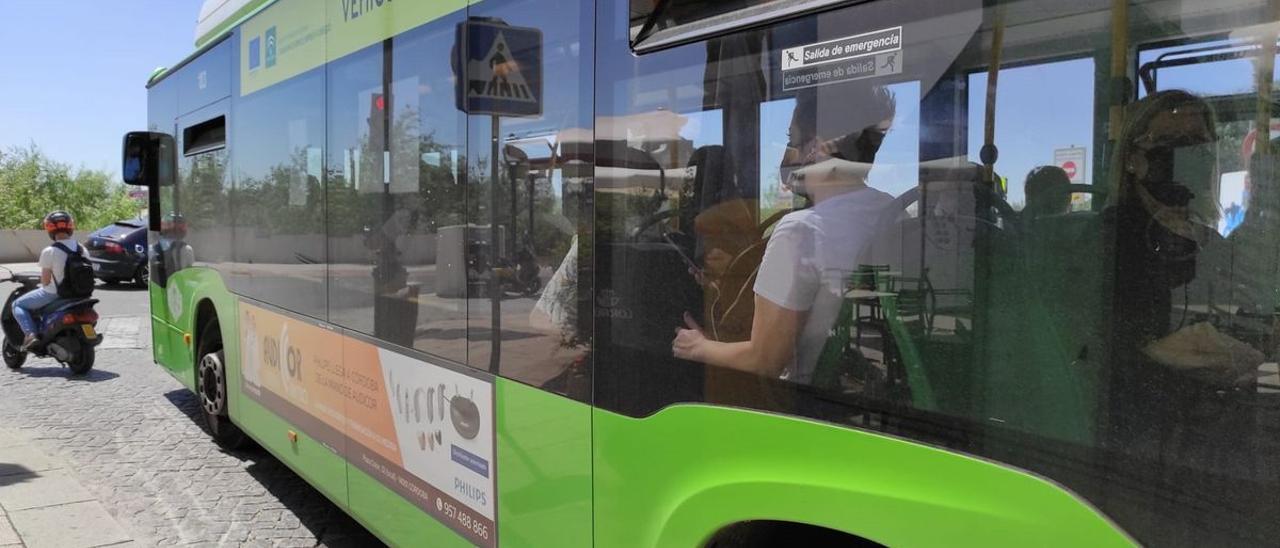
(211, 388)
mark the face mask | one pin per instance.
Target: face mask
(793, 177)
(862, 146)
(1196, 167)
(851, 158)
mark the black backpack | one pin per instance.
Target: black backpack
(77, 277)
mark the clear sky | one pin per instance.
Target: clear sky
(1039, 109)
(74, 71)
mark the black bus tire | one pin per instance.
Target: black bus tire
(211, 390)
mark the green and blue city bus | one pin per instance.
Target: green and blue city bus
(738, 272)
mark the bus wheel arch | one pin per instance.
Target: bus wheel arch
(783, 533)
(206, 313)
(211, 379)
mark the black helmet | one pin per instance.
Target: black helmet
(59, 221)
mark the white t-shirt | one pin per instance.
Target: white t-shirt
(56, 260)
(808, 261)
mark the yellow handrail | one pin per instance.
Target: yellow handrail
(989, 156)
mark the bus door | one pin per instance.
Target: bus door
(201, 178)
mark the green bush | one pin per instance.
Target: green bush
(33, 184)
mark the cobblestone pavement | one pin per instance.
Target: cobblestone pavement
(130, 434)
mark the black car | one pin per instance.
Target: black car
(119, 252)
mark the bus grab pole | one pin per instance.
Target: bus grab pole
(495, 284)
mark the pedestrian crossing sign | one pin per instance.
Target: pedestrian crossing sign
(502, 69)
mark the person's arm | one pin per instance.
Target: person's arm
(774, 331)
(784, 289)
(46, 266)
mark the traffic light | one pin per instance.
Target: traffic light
(378, 121)
(377, 149)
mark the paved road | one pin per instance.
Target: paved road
(117, 300)
(130, 435)
(120, 301)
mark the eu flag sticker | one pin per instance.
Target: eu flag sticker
(255, 53)
(270, 38)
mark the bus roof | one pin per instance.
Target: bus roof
(218, 16)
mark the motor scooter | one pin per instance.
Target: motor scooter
(519, 276)
(67, 331)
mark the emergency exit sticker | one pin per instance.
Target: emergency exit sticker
(866, 55)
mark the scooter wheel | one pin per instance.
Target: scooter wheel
(13, 356)
(84, 360)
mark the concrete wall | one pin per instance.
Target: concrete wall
(22, 246)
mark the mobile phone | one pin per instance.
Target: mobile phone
(687, 261)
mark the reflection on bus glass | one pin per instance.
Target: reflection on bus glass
(1044, 234)
(1049, 257)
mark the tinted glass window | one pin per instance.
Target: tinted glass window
(397, 195)
(856, 217)
(1019, 137)
(201, 227)
(166, 256)
(205, 79)
(162, 113)
(529, 252)
(138, 236)
(118, 231)
(650, 19)
(279, 205)
(162, 106)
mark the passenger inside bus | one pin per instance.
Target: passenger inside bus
(811, 253)
(1251, 279)
(1156, 247)
(1048, 191)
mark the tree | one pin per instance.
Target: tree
(33, 184)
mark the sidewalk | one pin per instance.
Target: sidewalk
(42, 503)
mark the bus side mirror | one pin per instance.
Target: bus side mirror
(148, 161)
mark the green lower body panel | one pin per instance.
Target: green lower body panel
(166, 340)
(166, 344)
(672, 479)
(544, 463)
(544, 484)
(681, 475)
(312, 459)
(394, 519)
(348, 416)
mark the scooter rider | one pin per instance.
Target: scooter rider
(60, 225)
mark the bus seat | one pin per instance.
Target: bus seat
(927, 239)
(1045, 323)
